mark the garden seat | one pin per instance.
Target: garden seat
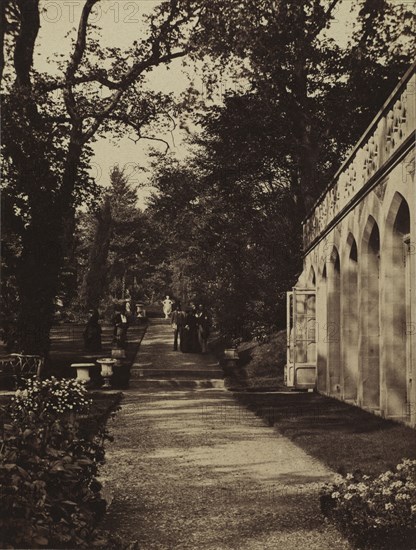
(27, 366)
(18, 367)
(7, 377)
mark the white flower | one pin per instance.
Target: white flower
(385, 477)
(388, 506)
(396, 484)
(348, 496)
(335, 494)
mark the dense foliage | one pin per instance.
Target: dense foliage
(50, 120)
(230, 246)
(264, 154)
(232, 210)
(119, 252)
(50, 496)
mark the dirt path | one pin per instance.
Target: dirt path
(192, 469)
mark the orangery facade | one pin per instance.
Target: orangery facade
(352, 312)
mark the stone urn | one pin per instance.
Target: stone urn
(107, 365)
(231, 354)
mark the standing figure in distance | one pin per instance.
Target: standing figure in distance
(167, 306)
(92, 332)
(191, 327)
(178, 324)
(203, 326)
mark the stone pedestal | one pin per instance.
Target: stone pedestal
(83, 371)
(231, 369)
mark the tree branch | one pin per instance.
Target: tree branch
(76, 60)
(325, 19)
(153, 139)
(137, 128)
(129, 78)
(98, 76)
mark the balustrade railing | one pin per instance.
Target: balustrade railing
(391, 128)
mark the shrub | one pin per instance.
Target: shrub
(375, 513)
(49, 494)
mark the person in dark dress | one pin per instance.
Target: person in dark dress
(191, 344)
(178, 324)
(203, 326)
(92, 333)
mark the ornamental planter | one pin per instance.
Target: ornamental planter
(231, 353)
(107, 370)
(231, 368)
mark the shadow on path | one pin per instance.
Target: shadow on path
(195, 469)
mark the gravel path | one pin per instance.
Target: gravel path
(193, 470)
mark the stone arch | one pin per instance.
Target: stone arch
(369, 353)
(396, 359)
(333, 324)
(321, 358)
(349, 321)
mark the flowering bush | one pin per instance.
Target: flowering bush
(49, 494)
(375, 513)
(49, 398)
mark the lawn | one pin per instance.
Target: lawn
(262, 365)
(344, 437)
(67, 347)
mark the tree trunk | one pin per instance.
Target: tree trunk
(37, 279)
(307, 146)
(44, 247)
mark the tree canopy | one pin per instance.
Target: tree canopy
(262, 157)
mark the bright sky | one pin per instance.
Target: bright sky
(121, 23)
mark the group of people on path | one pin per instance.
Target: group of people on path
(93, 331)
(190, 328)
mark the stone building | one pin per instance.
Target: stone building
(352, 313)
